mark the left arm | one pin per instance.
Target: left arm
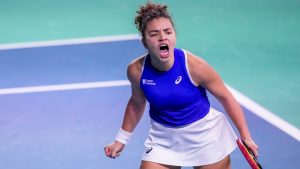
(203, 74)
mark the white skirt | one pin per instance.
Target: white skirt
(203, 142)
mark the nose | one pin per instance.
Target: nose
(162, 36)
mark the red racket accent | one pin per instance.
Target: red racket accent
(248, 154)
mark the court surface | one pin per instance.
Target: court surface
(62, 102)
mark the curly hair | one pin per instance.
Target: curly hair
(149, 12)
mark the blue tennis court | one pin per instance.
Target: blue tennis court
(61, 103)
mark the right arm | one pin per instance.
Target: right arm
(137, 102)
(135, 107)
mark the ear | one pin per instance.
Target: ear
(144, 42)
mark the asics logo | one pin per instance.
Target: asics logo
(178, 80)
(148, 150)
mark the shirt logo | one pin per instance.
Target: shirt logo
(148, 82)
(178, 80)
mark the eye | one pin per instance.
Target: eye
(168, 31)
(153, 34)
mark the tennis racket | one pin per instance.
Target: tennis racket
(248, 154)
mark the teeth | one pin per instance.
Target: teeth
(163, 46)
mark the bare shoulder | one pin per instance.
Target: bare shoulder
(199, 69)
(134, 69)
(195, 61)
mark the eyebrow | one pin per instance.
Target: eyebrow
(155, 30)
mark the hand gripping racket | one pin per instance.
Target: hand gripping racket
(248, 154)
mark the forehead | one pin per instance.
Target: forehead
(159, 23)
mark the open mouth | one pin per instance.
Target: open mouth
(164, 50)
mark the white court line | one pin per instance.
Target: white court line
(266, 114)
(242, 99)
(69, 41)
(73, 86)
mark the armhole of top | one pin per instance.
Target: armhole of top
(143, 67)
(144, 62)
(187, 68)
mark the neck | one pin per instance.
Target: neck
(161, 65)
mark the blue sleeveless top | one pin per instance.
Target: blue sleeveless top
(174, 100)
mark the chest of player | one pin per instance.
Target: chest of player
(172, 90)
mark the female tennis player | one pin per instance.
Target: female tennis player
(185, 130)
